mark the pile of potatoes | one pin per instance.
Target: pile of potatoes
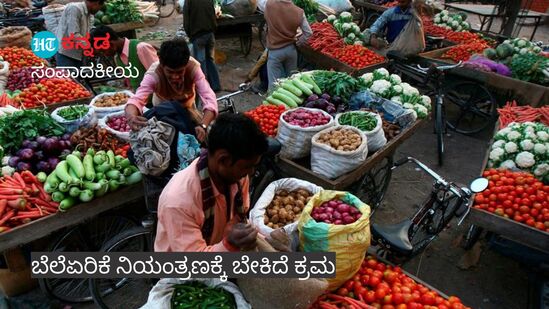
(116, 99)
(286, 207)
(341, 139)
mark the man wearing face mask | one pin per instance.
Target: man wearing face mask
(203, 207)
(175, 77)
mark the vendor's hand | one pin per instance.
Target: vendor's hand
(200, 133)
(242, 236)
(136, 123)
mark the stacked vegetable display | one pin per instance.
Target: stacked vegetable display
(286, 207)
(517, 196)
(336, 212)
(378, 285)
(293, 91)
(341, 139)
(512, 112)
(50, 91)
(324, 102)
(522, 146)
(23, 200)
(118, 11)
(267, 117)
(93, 175)
(347, 29)
(464, 52)
(20, 57)
(325, 38)
(108, 100)
(390, 86)
(362, 121)
(455, 22)
(97, 139)
(310, 8)
(306, 118)
(357, 56)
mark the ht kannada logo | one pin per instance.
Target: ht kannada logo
(44, 44)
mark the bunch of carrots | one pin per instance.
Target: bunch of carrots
(511, 112)
(22, 200)
(325, 38)
(333, 301)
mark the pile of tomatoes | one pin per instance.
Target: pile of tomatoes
(123, 150)
(464, 52)
(357, 56)
(267, 116)
(50, 91)
(383, 286)
(516, 195)
(20, 57)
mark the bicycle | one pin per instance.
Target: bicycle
(401, 241)
(107, 293)
(472, 105)
(164, 10)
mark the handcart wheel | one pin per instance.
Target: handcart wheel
(246, 44)
(373, 186)
(88, 237)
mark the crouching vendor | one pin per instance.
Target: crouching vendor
(203, 207)
(399, 28)
(175, 77)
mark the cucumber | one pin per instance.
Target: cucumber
(284, 98)
(62, 172)
(297, 99)
(291, 88)
(299, 84)
(88, 167)
(305, 83)
(309, 80)
(275, 101)
(76, 165)
(67, 203)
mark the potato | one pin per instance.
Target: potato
(275, 219)
(275, 226)
(282, 193)
(296, 210)
(290, 200)
(266, 220)
(300, 204)
(270, 224)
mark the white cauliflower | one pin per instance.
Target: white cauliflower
(396, 99)
(444, 18)
(397, 89)
(381, 73)
(511, 147)
(514, 135)
(380, 87)
(543, 136)
(527, 144)
(540, 149)
(525, 160)
(408, 106)
(508, 164)
(368, 77)
(496, 154)
(437, 19)
(426, 101)
(498, 144)
(421, 110)
(444, 13)
(395, 79)
(541, 169)
(410, 91)
(531, 135)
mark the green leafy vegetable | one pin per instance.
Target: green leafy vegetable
(310, 7)
(359, 120)
(530, 68)
(74, 112)
(26, 124)
(121, 11)
(198, 295)
(338, 83)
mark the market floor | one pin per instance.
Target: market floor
(492, 282)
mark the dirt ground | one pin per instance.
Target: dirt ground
(482, 278)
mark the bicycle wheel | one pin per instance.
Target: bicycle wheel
(439, 131)
(120, 292)
(372, 187)
(83, 238)
(257, 190)
(471, 108)
(165, 9)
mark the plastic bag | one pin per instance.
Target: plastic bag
(104, 111)
(161, 294)
(337, 5)
(102, 123)
(332, 163)
(376, 137)
(350, 242)
(88, 120)
(411, 41)
(396, 113)
(258, 211)
(295, 140)
(362, 99)
(4, 74)
(52, 15)
(188, 149)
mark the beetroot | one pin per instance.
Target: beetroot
(119, 123)
(306, 118)
(336, 212)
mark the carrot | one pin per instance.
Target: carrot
(18, 177)
(30, 216)
(43, 195)
(12, 191)
(10, 182)
(4, 229)
(7, 216)
(11, 196)
(3, 206)
(19, 203)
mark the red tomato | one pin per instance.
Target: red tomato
(380, 293)
(349, 285)
(398, 298)
(374, 281)
(342, 292)
(370, 297)
(428, 298)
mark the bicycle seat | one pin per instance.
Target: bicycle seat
(274, 147)
(396, 55)
(395, 235)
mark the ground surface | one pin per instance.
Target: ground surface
(493, 282)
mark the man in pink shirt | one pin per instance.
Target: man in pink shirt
(175, 77)
(203, 207)
(140, 55)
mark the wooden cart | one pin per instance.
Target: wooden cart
(323, 61)
(241, 27)
(370, 12)
(370, 180)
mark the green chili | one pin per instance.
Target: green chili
(198, 295)
(361, 121)
(74, 112)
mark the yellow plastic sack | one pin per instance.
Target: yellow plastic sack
(350, 242)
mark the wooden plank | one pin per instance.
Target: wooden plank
(294, 169)
(326, 62)
(79, 213)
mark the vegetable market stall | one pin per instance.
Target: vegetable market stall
(369, 11)
(241, 27)
(129, 29)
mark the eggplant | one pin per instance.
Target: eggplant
(34, 145)
(51, 146)
(43, 166)
(13, 161)
(312, 97)
(53, 162)
(325, 96)
(66, 137)
(39, 155)
(310, 104)
(23, 166)
(26, 154)
(25, 144)
(322, 104)
(41, 140)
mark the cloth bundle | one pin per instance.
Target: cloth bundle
(151, 147)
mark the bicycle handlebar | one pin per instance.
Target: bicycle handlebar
(244, 87)
(442, 67)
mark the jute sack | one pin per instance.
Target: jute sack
(52, 15)
(16, 36)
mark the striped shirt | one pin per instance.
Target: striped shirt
(393, 21)
(75, 19)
